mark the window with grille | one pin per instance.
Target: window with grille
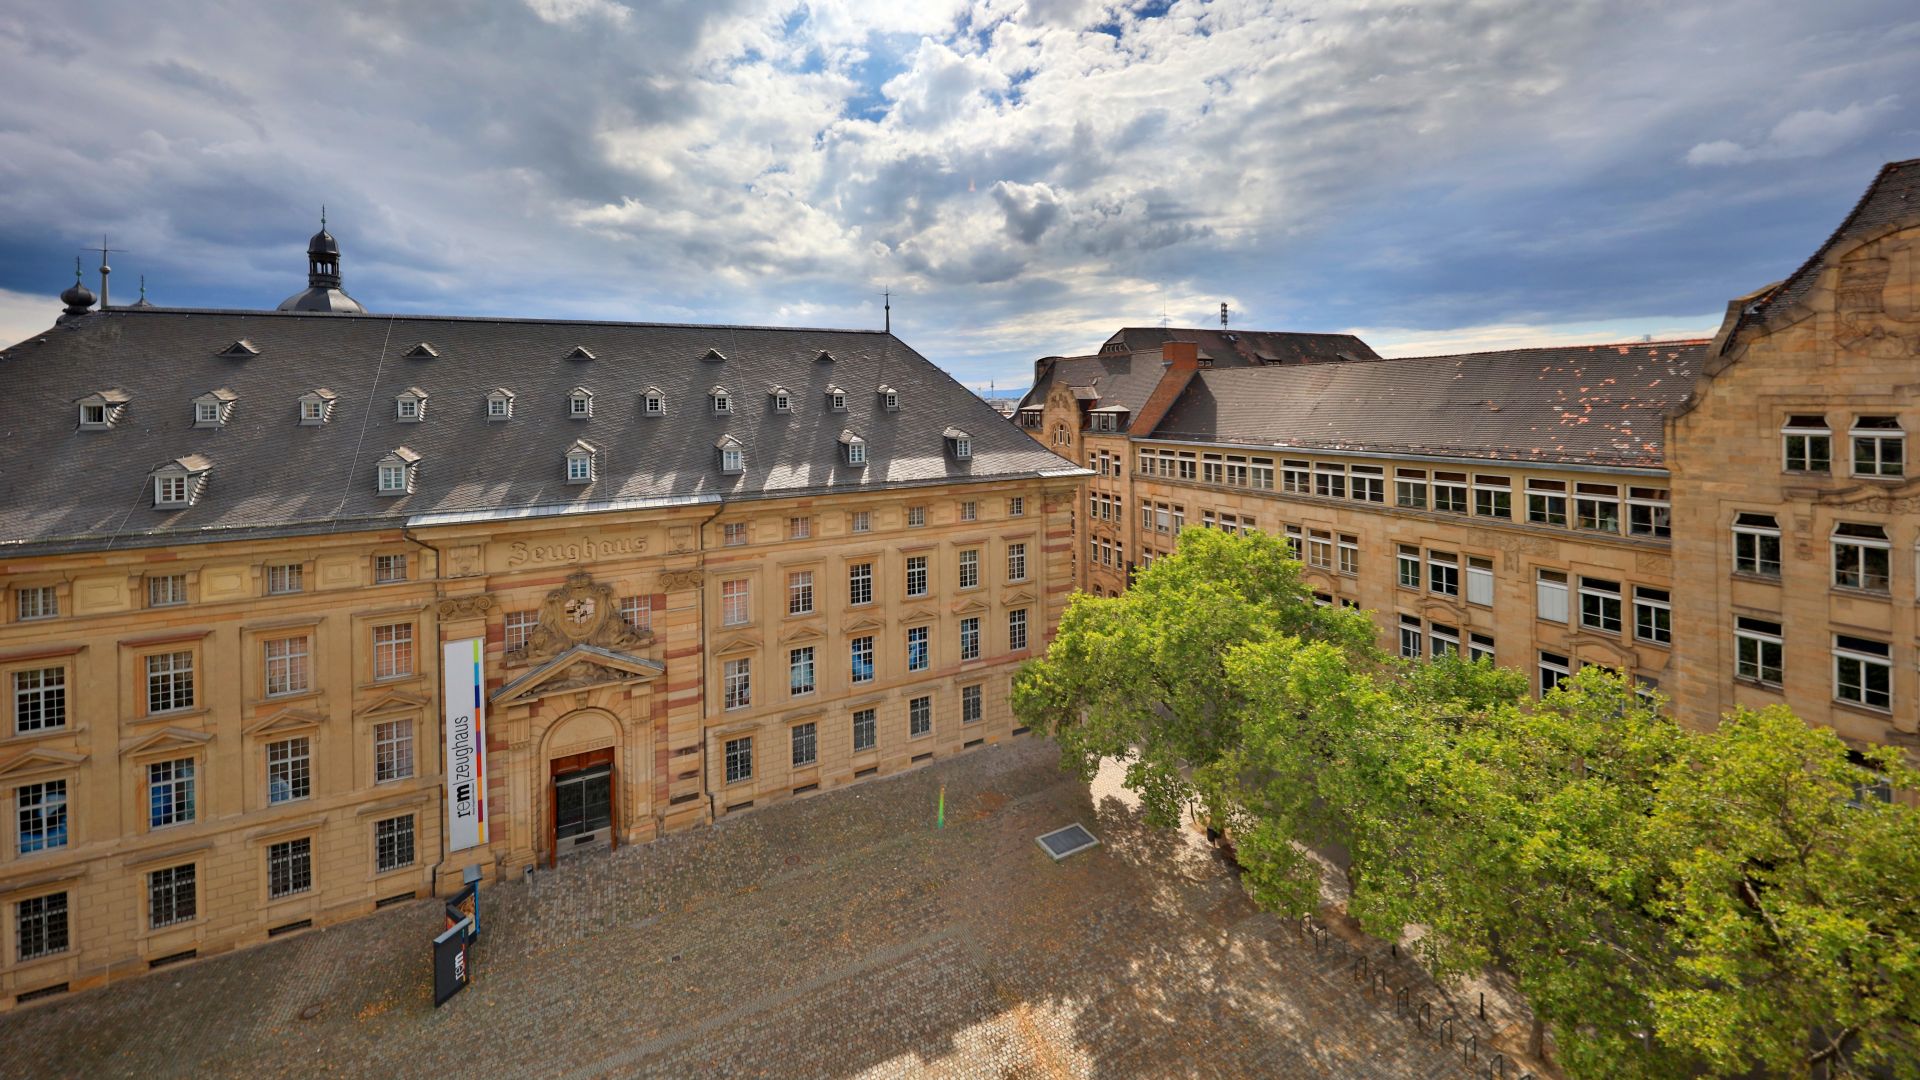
(39, 699)
(166, 590)
(800, 671)
(40, 926)
(1759, 653)
(169, 682)
(289, 867)
(859, 584)
(866, 729)
(799, 528)
(286, 578)
(919, 717)
(916, 575)
(969, 511)
(806, 744)
(287, 671)
(393, 650)
(36, 602)
(169, 792)
(970, 638)
(519, 627)
(41, 816)
(917, 648)
(1017, 506)
(739, 759)
(737, 682)
(800, 592)
(389, 568)
(916, 516)
(734, 610)
(860, 652)
(862, 521)
(733, 533)
(289, 770)
(637, 612)
(392, 750)
(393, 844)
(969, 568)
(171, 896)
(1016, 562)
(1017, 629)
(970, 710)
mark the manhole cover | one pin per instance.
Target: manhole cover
(1061, 843)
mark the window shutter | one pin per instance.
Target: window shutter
(1479, 585)
(1553, 601)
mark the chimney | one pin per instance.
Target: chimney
(1178, 362)
(1175, 354)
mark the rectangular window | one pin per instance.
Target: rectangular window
(739, 759)
(41, 814)
(393, 650)
(970, 711)
(289, 867)
(1879, 446)
(1860, 557)
(1295, 476)
(736, 678)
(389, 568)
(1016, 562)
(1547, 502)
(860, 650)
(1480, 647)
(1320, 549)
(1330, 481)
(1349, 554)
(1443, 573)
(800, 671)
(919, 717)
(1649, 513)
(1410, 488)
(1450, 492)
(1369, 483)
(169, 682)
(916, 575)
(799, 528)
(286, 666)
(1237, 470)
(1652, 615)
(1480, 581)
(1597, 507)
(969, 568)
(520, 626)
(800, 592)
(1862, 672)
(1807, 445)
(1017, 506)
(970, 638)
(969, 511)
(733, 534)
(1550, 596)
(1261, 473)
(637, 612)
(806, 744)
(1446, 640)
(1492, 496)
(36, 602)
(392, 751)
(286, 578)
(734, 607)
(166, 590)
(1408, 560)
(1553, 671)
(916, 516)
(169, 793)
(917, 649)
(392, 844)
(289, 770)
(1212, 470)
(866, 730)
(1759, 650)
(1410, 637)
(39, 700)
(862, 521)
(860, 584)
(1756, 545)
(40, 926)
(1600, 605)
(171, 896)
(1017, 630)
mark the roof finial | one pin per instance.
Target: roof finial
(76, 269)
(888, 297)
(143, 286)
(323, 217)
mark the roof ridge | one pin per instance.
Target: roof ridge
(1820, 253)
(1544, 348)
(523, 320)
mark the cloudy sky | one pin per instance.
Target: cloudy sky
(1025, 175)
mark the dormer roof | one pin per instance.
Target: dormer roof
(422, 351)
(240, 347)
(579, 352)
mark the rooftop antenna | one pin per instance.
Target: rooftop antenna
(1223, 314)
(105, 269)
(887, 296)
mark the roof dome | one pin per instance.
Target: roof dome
(78, 297)
(323, 243)
(323, 292)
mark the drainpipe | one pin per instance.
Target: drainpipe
(700, 548)
(439, 593)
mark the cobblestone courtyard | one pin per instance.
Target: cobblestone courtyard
(835, 936)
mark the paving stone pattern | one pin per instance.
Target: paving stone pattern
(836, 936)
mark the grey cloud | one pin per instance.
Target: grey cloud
(1029, 208)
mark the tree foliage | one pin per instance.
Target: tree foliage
(1670, 902)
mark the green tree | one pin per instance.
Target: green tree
(1794, 895)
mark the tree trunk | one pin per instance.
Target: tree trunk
(1537, 1040)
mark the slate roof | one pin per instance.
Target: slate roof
(1119, 379)
(1893, 196)
(1589, 404)
(1230, 348)
(65, 489)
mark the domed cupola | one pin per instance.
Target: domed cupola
(323, 291)
(78, 297)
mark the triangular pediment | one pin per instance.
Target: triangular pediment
(801, 634)
(393, 704)
(918, 615)
(580, 668)
(284, 720)
(865, 622)
(1014, 597)
(739, 643)
(41, 759)
(167, 740)
(972, 605)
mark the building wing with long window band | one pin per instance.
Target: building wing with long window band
(307, 610)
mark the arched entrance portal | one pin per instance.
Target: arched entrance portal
(583, 783)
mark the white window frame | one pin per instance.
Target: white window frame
(736, 602)
(1790, 431)
(1867, 659)
(1479, 581)
(1558, 666)
(1551, 594)
(1653, 600)
(1764, 640)
(1757, 534)
(1880, 437)
(1853, 549)
(736, 680)
(1604, 592)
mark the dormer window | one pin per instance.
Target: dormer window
(825, 357)
(580, 403)
(714, 357)
(733, 456)
(499, 404)
(782, 401)
(422, 351)
(579, 353)
(316, 407)
(722, 401)
(410, 406)
(242, 347)
(394, 472)
(889, 398)
(853, 449)
(653, 402)
(580, 462)
(179, 482)
(959, 444)
(836, 399)
(100, 411)
(212, 408)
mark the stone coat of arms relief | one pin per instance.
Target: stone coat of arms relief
(1877, 301)
(581, 612)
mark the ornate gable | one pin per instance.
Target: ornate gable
(581, 612)
(578, 668)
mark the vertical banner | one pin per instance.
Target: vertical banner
(466, 724)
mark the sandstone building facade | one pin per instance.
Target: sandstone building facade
(1732, 521)
(255, 565)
